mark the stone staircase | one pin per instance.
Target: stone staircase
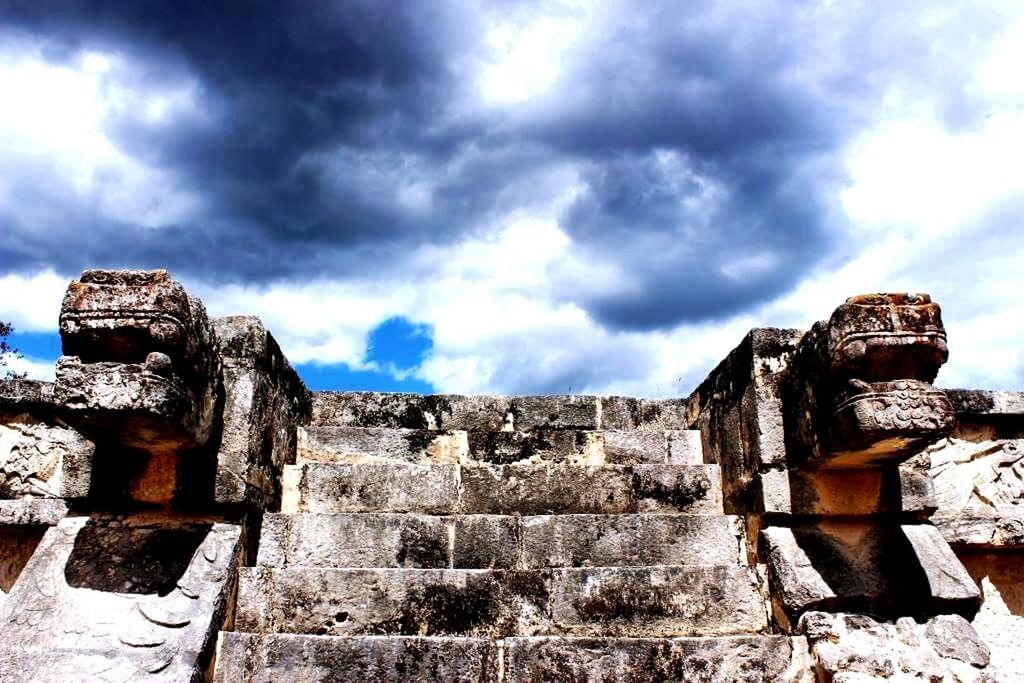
(496, 539)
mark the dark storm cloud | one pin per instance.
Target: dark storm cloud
(279, 81)
(705, 139)
(705, 250)
(748, 203)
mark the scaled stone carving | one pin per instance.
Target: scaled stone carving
(859, 386)
(140, 365)
(114, 599)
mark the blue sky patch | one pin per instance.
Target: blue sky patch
(395, 345)
(43, 346)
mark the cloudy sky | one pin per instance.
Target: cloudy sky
(520, 197)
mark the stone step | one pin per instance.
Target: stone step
(495, 413)
(596, 601)
(368, 540)
(527, 489)
(369, 659)
(247, 656)
(708, 659)
(577, 446)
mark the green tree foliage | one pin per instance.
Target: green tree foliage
(6, 352)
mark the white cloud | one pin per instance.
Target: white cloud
(56, 116)
(323, 321)
(913, 175)
(999, 76)
(32, 302)
(527, 54)
(32, 368)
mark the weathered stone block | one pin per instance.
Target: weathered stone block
(950, 587)
(471, 602)
(739, 412)
(471, 413)
(648, 601)
(354, 540)
(369, 444)
(678, 488)
(391, 540)
(26, 396)
(545, 488)
(119, 598)
(371, 409)
(554, 412)
(858, 565)
(845, 492)
(631, 660)
(977, 402)
(264, 402)
(658, 601)
(556, 445)
(631, 446)
(32, 511)
(967, 529)
(917, 490)
(365, 487)
(496, 413)
(626, 413)
(953, 637)
(623, 540)
(635, 446)
(685, 447)
(369, 659)
(486, 541)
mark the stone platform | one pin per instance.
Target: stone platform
(177, 506)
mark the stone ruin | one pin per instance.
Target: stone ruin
(177, 506)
